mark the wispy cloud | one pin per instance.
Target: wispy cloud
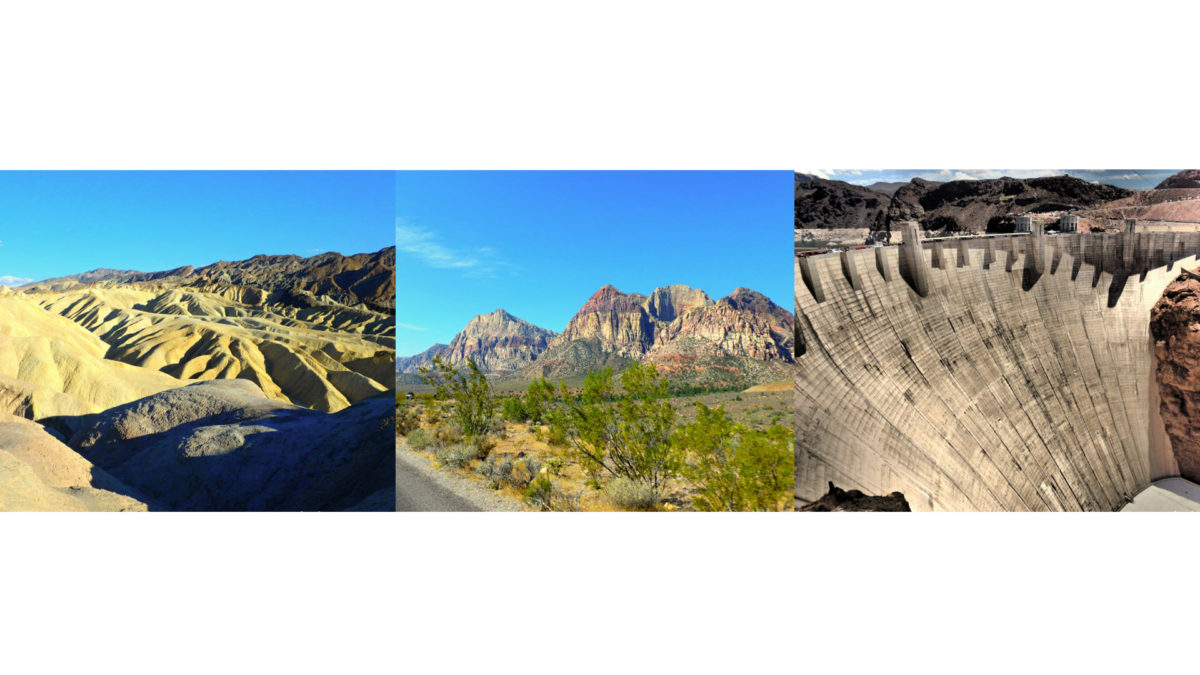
(406, 326)
(424, 245)
(1, 243)
(13, 282)
(827, 174)
(987, 174)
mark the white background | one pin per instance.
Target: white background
(755, 85)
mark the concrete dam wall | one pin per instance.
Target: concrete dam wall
(1010, 372)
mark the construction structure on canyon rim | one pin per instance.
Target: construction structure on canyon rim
(1007, 372)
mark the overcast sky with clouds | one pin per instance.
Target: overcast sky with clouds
(57, 223)
(539, 243)
(1133, 179)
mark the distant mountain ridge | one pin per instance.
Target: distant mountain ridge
(1188, 178)
(366, 278)
(741, 338)
(954, 206)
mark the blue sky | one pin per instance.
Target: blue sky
(1133, 179)
(58, 223)
(539, 244)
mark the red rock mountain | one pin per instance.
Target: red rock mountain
(618, 320)
(743, 338)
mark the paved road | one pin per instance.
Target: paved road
(416, 490)
(420, 488)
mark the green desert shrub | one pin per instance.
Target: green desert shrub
(631, 495)
(483, 445)
(545, 495)
(419, 439)
(555, 465)
(626, 434)
(513, 409)
(447, 434)
(538, 399)
(540, 493)
(555, 436)
(406, 416)
(496, 468)
(735, 468)
(457, 455)
(472, 403)
(517, 471)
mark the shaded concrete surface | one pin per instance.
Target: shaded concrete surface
(1003, 373)
(1168, 494)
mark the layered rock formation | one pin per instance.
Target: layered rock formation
(103, 359)
(298, 356)
(49, 366)
(297, 348)
(1175, 326)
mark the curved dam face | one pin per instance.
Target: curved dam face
(998, 373)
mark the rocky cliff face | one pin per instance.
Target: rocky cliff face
(955, 206)
(498, 342)
(670, 302)
(1175, 325)
(822, 203)
(619, 322)
(744, 324)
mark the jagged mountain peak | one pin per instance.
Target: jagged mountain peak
(743, 338)
(610, 298)
(745, 298)
(496, 341)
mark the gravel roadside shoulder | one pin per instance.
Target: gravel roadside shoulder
(477, 496)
